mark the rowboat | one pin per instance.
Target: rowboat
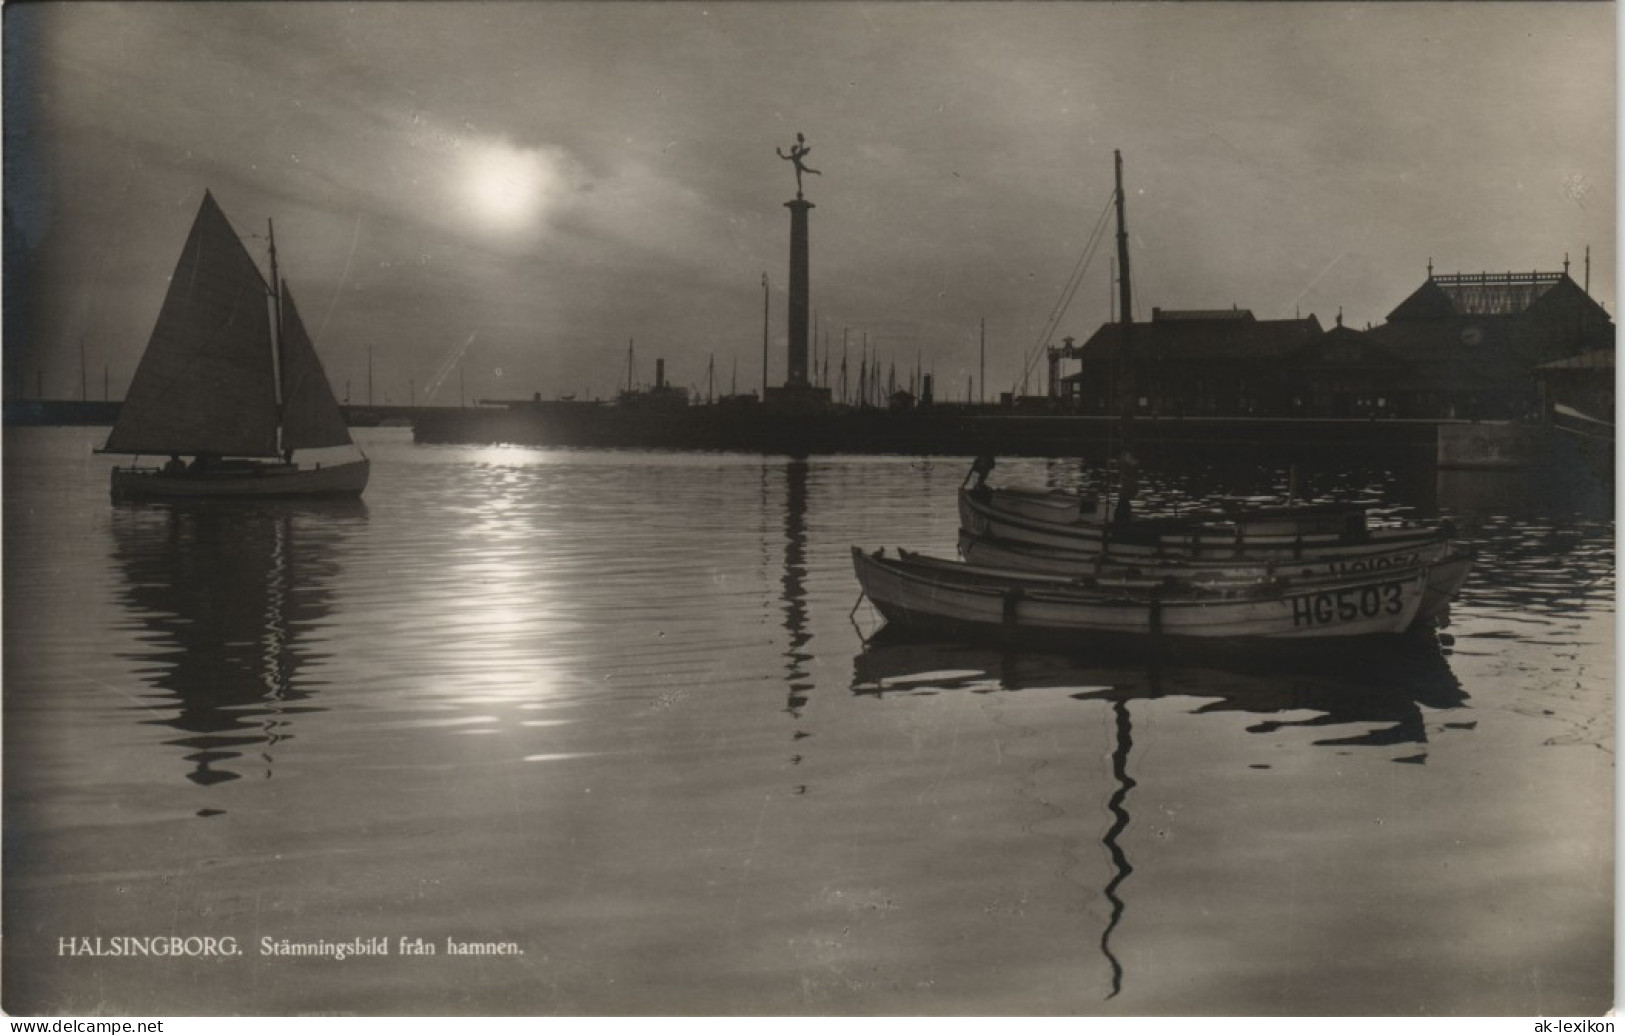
(1446, 568)
(992, 552)
(1092, 524)
(1272, 537)
(1060, 506)
(230, 378)
(1046, 504)
(955, 597)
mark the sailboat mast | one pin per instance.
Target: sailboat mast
(276, 323)
(764, 334)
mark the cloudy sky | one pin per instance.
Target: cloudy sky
(510, 192)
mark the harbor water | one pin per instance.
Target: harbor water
(578, 732)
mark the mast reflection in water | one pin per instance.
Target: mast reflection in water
(1120, 819)
(225, 594)
(796, 653)
(1380, 702)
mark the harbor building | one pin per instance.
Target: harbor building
(1190, 363)
(1476, 342)
(1490, 346)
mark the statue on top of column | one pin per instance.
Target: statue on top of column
(797, 153)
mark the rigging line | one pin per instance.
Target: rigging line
(1091, 246)
(1058, 312)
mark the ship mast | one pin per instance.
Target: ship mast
(1125, 359)
(1123, 291)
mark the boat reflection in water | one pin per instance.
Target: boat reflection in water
(1380, 701)
(225, 597)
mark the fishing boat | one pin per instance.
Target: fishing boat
(1445, 574)
(1182, 538)
(1087, 525)
(1056, 505)
(1090, 509)
(1448, 567)
(991, 551)
(958, 598)
(231, 380)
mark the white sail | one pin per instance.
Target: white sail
(206, 383)
(310, 415)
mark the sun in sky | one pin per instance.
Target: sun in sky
(507, 190)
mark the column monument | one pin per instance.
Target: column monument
(798, 390)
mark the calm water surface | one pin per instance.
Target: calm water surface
(615, 711)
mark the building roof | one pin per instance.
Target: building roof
(1465, 330)
(1448, 295)
(1196, 339)
(1233, 313)
(1343, 348)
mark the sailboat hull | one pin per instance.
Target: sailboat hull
(260, 481)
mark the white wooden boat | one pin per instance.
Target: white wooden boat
(1047, 504)
(1152, 538)
(231, 379)
(961, 598)
(1446, 572)
(1090, 526)
(992, 552)
(1084, 508)
(1445, 579)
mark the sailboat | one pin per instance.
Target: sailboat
(230, 379)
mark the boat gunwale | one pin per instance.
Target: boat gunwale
(1154, 637)
(1142, 536)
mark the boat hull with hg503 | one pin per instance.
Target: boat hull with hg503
(231, 379)
(956, 598)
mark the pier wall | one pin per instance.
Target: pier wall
(927, 433)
